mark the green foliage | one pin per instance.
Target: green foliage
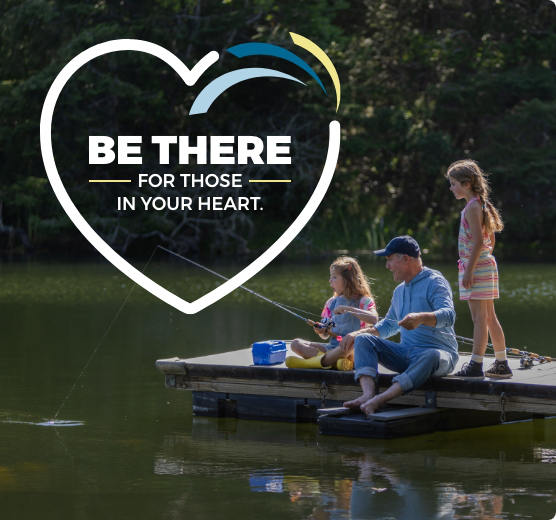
(519, 152)
(431, 83)
(423, 84)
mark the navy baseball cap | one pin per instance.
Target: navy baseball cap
(403, 245)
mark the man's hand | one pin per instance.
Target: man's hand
(411, 321)
(347, 341)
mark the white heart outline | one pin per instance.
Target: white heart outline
(189, 77)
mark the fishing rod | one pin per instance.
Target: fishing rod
(325, 327)
(527, 358)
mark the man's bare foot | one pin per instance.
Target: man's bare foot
(371, 406)
(357, 403)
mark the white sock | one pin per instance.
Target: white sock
(501, 356)
(477, 359)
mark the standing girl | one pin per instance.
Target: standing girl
(478, 273)
(351, 307)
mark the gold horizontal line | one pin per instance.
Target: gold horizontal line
(111, 180)
(265, 180)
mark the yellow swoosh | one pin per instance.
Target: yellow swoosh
(323, 58)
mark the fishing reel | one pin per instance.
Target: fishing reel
(326, 325)
(526, 362)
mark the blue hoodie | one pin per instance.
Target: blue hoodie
(429, 291)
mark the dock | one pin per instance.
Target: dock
(229, 385)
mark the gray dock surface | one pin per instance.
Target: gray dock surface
(531, 390)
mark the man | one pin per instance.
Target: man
(422, 310)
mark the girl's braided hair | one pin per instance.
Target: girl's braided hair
(357, 284)
(469, 171)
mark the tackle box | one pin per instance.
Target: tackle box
(269, 352)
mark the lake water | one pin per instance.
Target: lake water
(140, 453)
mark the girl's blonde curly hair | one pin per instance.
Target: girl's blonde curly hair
(357, 284)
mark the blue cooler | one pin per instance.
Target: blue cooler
(269, 352)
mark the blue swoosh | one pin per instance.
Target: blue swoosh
(267, 49)
(208, 95)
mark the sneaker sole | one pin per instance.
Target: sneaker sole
(466, 377)
(498, 376)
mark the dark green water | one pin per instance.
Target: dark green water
(140, 454)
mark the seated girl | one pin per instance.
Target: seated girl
(351, 308)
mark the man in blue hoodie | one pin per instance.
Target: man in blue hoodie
(422, 310)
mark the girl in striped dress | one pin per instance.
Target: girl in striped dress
(478, 272)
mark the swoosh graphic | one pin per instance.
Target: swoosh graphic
(208, 95)
(316, 51)
(267, 49)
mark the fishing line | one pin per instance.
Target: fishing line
(283, 306)
(277, 304)
(535, 376)
(468, 341)
(100, 342)
(461, 339)
(300, 310)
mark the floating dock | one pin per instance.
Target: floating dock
(229, 385)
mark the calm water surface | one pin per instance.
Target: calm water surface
(141, 454)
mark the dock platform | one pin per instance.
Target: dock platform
(229, 385)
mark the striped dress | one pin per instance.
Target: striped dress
(485, 275)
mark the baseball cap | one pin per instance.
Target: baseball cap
(404, 245)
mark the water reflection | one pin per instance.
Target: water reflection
(440, 476)
(266, 483)
(140, 454)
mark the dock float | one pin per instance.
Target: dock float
(229, 385)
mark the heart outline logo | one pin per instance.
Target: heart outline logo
(189, 77)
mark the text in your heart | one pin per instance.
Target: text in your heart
(214, 150)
